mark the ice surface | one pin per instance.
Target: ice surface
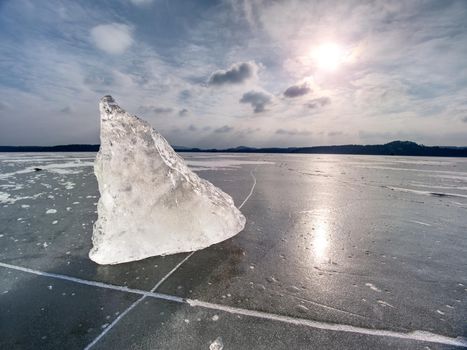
(151, 203)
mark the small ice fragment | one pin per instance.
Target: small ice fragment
(45, 245)
(301, 308)
(215, 318)
(54, 222)
(440, 312)
(51, 211)
(217, 344)
(293, 289)
(373, 287)
(420, 223)
(187, 320)
(50, 287)
(382, 302)
(271, 279)
(105, 325)
(24, 205)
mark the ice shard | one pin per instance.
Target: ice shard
(151, 203)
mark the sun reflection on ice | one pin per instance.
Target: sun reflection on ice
(321, 239)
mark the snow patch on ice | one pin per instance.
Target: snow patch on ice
(222, 164)
(420, 223)
(373, 287)
(217, 344)
(384, 303)
(7, 198)
(57, 168)
(69, 185)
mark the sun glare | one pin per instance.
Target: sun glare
(329, 56)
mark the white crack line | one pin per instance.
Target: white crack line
(414, 335)
(251, 191)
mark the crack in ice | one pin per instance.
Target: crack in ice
(414, 335)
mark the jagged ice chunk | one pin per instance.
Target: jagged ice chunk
(151, 203)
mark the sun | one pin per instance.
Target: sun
(329, 56)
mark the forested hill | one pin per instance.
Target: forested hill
(399, 148)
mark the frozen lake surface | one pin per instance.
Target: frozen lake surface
(338, 252)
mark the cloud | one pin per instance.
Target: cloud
(293, 132)
(184, 95)
(66, 110)
(236, 74)
(248, 131)
(155, 109)
(113, 38)
(464, 119)
(297, 90)
(318, 102)
(335, 133)
(162, 110)
(183, 112)
(141, 2)
(257, 99)
(224, 129)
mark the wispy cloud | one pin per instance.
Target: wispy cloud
(224, 129)
(156, 109)
(114, 38)
(141, 2)
(183, 112)
(293, 132)
(318, 102)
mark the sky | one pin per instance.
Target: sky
(236, 72)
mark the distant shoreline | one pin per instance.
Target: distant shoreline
(396, 148)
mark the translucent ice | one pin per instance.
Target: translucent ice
(151, 203)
